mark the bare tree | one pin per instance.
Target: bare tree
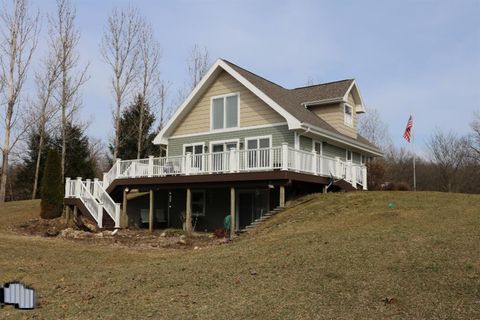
(149, 60)
(46, 81)
(449, 152)
(374, 129)
(64, 39)
(475, 136)
(19, 35)
(119, 48)
(163, 88)
(197, 65)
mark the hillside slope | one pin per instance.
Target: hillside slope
(334, 256)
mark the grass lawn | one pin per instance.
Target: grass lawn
(337, 256)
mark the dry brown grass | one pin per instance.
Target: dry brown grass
(335, 257)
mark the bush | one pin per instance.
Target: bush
(402, 186)
(52, 187)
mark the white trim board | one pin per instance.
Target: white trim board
(233, 129)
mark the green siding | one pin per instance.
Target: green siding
(279, 135)
(330, 150)
(305, 143)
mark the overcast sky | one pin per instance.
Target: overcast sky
(419, 57)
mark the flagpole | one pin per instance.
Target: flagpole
(413, 147)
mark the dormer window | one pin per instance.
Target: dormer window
(224, 112)
(348, 115)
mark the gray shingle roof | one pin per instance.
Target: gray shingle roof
(291, 99)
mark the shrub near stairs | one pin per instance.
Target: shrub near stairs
(52, 187)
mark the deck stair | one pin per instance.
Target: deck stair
(262, 219)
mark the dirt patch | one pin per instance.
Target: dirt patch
(137, 238)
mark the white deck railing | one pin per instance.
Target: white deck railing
(234, 161)
(94, 197)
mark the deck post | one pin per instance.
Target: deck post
(315, 162)
(124, 216)
(232, 160)
(188, 209)
(78, 186)
(88, 185)
(150, 213)
(232, 212)
(100, 216)
(364, 174)
(285, 156)
(324, 189)
(67, 187)
(188, 163)
(337, 167)
(282, 196)
(95, 187)
(150, 166)
(104, 181)
(118, 168)
(117, 215)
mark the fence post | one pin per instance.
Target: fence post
(233, 160)
(314, 164)
(364, 173)
(118, 168)
(67, 187)
(150, 166)
(100, 216)
(78, 186)
(188, 163)
(338, 167)
(285, 156)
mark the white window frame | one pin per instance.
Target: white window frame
(201, 214)
(193, 145)
(258, 138)
(224, 96)
(321, 146)
(345, 117)
(210, 147)
(346, 155)
(269, 137)
(363, 159)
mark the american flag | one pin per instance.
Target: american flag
(408, 129)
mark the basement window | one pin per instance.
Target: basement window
(348, 115)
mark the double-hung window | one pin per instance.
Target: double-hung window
(225, 112)
(198, 203)
(348, 115)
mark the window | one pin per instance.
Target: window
(349, 155)
(225, 112)
(258, 152)
(196, 151)
(348, 115)
(198, 203)
(317, 147)
(363, 159)
(220, 156)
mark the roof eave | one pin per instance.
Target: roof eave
(348, 141)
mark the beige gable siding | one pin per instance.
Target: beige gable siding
(351, 100)
(333, 115)
(253, 111)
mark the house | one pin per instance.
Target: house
(240, 145)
